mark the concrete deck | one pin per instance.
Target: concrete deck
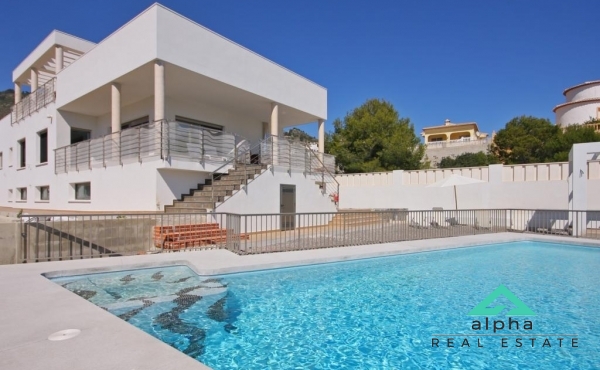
(32, 307)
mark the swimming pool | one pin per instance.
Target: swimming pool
(383, 313)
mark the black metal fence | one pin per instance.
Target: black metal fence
(65, 237)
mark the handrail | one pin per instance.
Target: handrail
(33, 102)
(323, 170)
(164, 139)
(246, 154)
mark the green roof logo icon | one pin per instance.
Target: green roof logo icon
(482, 308)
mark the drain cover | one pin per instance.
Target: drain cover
(64, 334)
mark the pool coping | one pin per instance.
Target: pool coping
(34, 307)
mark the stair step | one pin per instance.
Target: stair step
(171, 209)
(191, 204)
(203, 198)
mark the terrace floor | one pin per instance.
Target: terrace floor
(33, 307)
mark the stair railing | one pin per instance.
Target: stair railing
(329, 185)
(241, 159)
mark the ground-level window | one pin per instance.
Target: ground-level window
(83, 191)
(44, 192)
(22, 193)
(78, 135)
(22, 153)
(43, 137)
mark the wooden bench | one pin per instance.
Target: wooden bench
(195, 235)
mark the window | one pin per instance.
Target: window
(43, 138)
(22, 193)
(1, 160)
(10, 195)
(44, 192)
(83, 191)
(78, 135)
(191, 121)
(135, 122)
(10, 157)
(22, 153)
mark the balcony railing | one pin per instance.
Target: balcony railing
(594, 125)
(454, 143)
(33, 102)
(146, 142)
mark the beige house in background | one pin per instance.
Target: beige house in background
(453, 139)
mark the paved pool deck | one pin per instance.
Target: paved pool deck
(33, 307)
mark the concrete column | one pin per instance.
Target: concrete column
(274, 119)
(58, 58)
(34, 79)
(18, 93)
(321, 136)
(115, 110)
(159, 91)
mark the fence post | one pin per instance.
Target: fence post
(139, 145)
(76, 157)
(119, 144)
(90, 154)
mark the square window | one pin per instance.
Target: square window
(22, 193)
(83, 191)
(44, 192)
(79, 135)
(43, 146)
(22, 153)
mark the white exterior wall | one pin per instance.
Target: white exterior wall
(238, 124)
(241, 67)
(536, 186)
(576, 114)
(262, 195)
(582, 110)
(591, 91)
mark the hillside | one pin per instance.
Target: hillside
(7, 99)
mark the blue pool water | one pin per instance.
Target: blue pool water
(372, 314)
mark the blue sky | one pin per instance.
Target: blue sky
(483, 61)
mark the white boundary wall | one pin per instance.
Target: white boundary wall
(531, 186)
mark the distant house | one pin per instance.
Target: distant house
(582, 105)
(453, 139)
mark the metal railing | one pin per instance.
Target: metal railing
(150, 141)
(33, 102)
(458, 142)
(66, 237)
(294, 155)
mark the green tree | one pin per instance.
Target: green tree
(468, 160)
(536, 140)
(525, 139)
(372, 138)
(299, 135)
(561, 145)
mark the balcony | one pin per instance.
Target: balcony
(456, 143)
(156, 140)
(33, 102)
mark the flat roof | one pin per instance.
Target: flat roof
(44, 51)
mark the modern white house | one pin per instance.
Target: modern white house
(582, 105)
(159, 109)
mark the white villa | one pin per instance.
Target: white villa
(582, 105)
(147, 118)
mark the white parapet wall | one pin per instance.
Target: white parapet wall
(530, 186)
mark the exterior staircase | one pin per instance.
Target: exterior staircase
(206, 196)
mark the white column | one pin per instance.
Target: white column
(274, 119)
(115, 110)
(159, 91)
(34, 79)
(321, 136)
(17, 92)
(58, 58)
